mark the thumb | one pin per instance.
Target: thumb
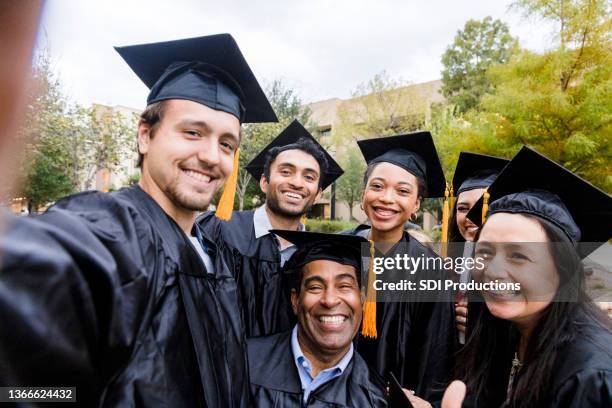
(454, 395)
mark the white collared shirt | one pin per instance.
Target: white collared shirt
(262, 225)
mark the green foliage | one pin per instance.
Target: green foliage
(349, 185)
(47, 155)
(559, 102)
(579, 22)
(67, 145)
(47, 180)
(329, 226)
(133, 179)
(572, 125)
(480, 45)
(254, 137)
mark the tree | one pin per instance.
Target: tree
(558, 102)
(66, 145)
(107, 142)
(480, 45)
(349, 186)
(254, 137)
(44, 129)
(383, 106)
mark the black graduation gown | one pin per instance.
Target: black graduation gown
(581, 375)
(256, 265)
(416, 340)
(275, 381)
(105, 292)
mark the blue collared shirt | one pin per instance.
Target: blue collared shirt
(304, 367)
(262, 225)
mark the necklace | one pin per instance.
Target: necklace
(516, 366)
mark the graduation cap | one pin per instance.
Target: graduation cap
(476, 171)
(533, 184)
(472, 171)
(287, 140)
(209, 70)
(342, 248)
(414, 152)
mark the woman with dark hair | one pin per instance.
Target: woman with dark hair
(546, 344)
(535, 338)
(410, 338)
(473, 174)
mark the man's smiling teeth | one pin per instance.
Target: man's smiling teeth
(293, 195)
(332, 319)
(197, 176)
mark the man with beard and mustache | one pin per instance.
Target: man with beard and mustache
(112, 293)
(292, 170)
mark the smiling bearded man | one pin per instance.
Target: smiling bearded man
(112, 293)
(315, 364)
(293, 170)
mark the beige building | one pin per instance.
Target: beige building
(412, 102)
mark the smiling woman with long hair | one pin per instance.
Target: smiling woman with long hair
(545, 344)
(411, 339)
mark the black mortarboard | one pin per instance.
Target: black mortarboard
(533, 184)
(209, 70)
(414, 152)
(476, 171)
(287, 140)
(312, 246)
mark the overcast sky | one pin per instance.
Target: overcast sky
(321, 48)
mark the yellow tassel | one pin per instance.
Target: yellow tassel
(445, 217)
(485, 205)
(226, 202)
(368, 324)
(453, 199)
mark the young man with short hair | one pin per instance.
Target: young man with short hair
(113, 293)
(292, 170)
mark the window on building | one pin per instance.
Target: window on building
(325, 132)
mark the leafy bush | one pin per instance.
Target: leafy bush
(329, 226)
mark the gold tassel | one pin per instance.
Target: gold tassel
(368, 324)
(445, 218)
(226, 202)
(453, 199)
(485, 205)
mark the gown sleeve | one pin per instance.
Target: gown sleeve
(587, 388)
(72, 289)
